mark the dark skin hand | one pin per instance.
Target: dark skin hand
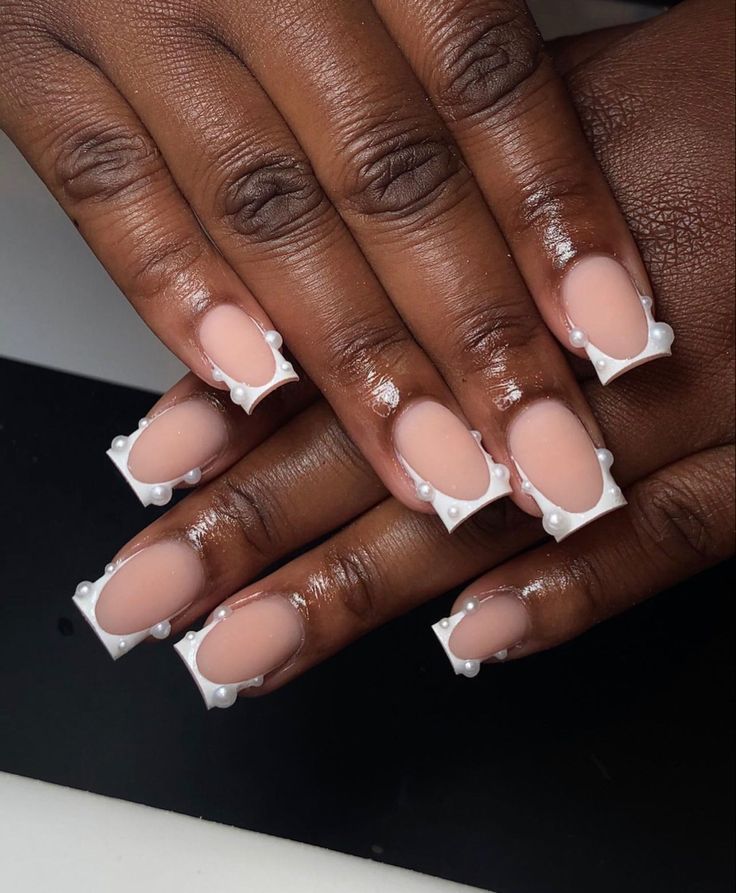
(661, 122)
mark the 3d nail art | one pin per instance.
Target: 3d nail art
(137, 598)
(444, 629)
(559, 522)
(169, 448)
(244, 356)
(446, 462)
(609, 319)
(240, 646)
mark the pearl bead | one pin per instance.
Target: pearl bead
(662, 333)
(190, 636)
(453, 511)
(217, 375)
(238, 394)
(84, 589)
(578, 338)
(614, 492)
(470, 605)
(286, 367)
(143, 423)
(501, 472)
(502, 655)
(223, 612)
(109, 568)
(477, 435)
(554, 522)
(471, 667)
(161, 630)
(605, 457)
(160, 494)
(425, 492)
(122, 645)
(444, 624)
(600, 365)
(224, 696)
(273, 339)
(119, 443)
(526, 486)
(646, 302)
(193, 477)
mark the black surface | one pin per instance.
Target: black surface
(603, 766)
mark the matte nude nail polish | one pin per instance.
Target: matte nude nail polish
(560, 467)
(169, 448)
(484, 627)
(243, 355)
(610, 319)
(240, 646)
(446, 462)
(138, 597)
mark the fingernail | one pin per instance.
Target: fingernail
(561, 469)
(482, 629)
(243, 355)
(610, 320)
(169, 448)
(445, 460)
(240, 646)
(138, 596)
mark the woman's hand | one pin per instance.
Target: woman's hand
(672, 428)
(327, 169)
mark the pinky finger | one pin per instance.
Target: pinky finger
(678, 522)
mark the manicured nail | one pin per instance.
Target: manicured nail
(240, 646)
(169, 448)
(610, 319)
(243, 355)
(449, 467)
(483, 628)
(137, 597)
(561, 469)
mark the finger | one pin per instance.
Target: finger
(194, 433)
(254, 191)
(486, 71)
(392, 170)
(102, 166)
(305, 481)
(679, 521)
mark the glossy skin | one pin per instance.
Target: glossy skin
(342, 158)
(671, 424)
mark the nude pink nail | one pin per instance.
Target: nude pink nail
(560, 467)
(485, 627)
(610, 319)
(240, 646)
(138, 596)
(446, 462)
(243, 355)
(169, 448)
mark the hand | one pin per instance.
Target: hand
(672, 427)
(244, 167)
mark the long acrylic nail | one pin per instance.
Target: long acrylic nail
(449, 467)
(484, 627)
(168, 449)
(243, 355)
(240, 646)
(138, 596)
(610, 319)
(561, 469)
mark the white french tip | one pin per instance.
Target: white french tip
(249, 397)
(452, 511)
(659, 344)
(86, 597)
(443, 630)
(149, 494)
(560, 523)
(214, 694)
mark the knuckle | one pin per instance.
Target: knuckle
(101, 161)
(545, 192)
(358, 350)
(488, 52)
(248, 506)
(162, 262)
(671, 518)
(399, 175)
(488, 334)
(270, 199)
(355, 581)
